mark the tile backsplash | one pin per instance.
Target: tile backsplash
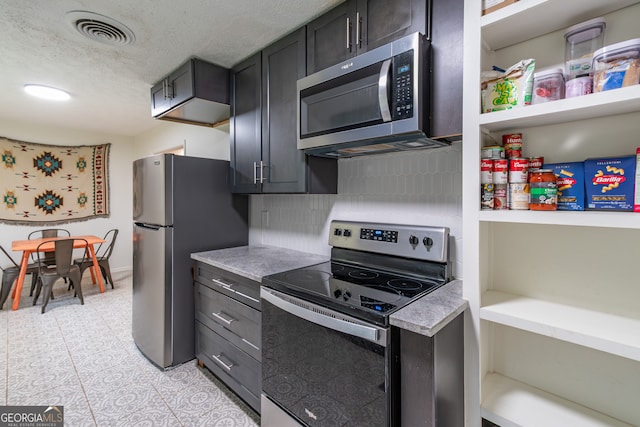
(419, 187)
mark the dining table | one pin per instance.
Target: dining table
(28, 247)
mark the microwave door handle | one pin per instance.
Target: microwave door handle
(383, 97)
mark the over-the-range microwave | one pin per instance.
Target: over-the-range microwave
(376, 102)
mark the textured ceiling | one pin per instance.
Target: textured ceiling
(110, 85)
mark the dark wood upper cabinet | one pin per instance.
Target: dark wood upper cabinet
(356, 26)
(245, 124)
(264, 153)
(283, 63)
(447, 33)
(197, 92)
(173, 89)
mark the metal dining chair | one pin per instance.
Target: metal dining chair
(49, 257)
(103, 253)
(9, 275)
(63, 268)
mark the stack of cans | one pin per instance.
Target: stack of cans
(504, 175)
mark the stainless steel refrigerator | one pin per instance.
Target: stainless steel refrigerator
(181, 205)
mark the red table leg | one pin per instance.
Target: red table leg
(17, 291)
(96, 268)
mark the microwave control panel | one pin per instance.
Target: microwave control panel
(402, 83)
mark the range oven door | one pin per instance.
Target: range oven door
(323, 368)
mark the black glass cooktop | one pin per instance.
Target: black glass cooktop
(352, 289)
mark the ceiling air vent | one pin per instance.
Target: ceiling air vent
(100, 28)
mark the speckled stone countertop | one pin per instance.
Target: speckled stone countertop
(255, 262)
(432, 312)
(425, 316)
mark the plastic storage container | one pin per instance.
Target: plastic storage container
(582, 40)
(548, 85)
(616, 66)
(579, 86)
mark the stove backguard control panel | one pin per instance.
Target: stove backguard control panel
(409, 241)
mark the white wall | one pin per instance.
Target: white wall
(119, 181)
(198, 141)
(419, 187)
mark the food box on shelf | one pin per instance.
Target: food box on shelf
(636, 203)
(610, 183)
(570, 185)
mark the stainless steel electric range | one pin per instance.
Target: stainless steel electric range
(329, 356)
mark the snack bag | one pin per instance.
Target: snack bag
(511, 89)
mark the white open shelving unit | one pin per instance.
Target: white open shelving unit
(554, 333)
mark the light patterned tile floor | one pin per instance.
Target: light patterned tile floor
(83, 358)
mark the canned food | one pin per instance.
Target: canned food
(500, 197)
(535, 163)
(492, 152)
(486, 197)
(544, 190)
(518, 171)
(518, 196)
(486, 171)
(500, 171)
(512, 145)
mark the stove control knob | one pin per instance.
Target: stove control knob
(347, 295)
(337, 232)
(427, 241)
(413, 240)
(337, 293)
(347, 233)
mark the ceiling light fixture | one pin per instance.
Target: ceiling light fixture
(46, 92)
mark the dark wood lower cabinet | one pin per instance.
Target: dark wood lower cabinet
(228, 330)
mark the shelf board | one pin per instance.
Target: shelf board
(511, 403)
(627, 220)
(602, 104)
(606, 332)
(527, 19)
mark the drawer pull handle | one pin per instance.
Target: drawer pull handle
(251, 344)
(247, 296)
(220, 362)
(223, 319)
(223, 284)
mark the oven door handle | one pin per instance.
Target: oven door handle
(323, 316)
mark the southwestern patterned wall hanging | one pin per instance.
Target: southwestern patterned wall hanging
(52, 184)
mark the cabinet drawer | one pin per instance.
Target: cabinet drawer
(237, 287)
(239, 371)
(235, 321)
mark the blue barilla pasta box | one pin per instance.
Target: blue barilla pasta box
(610, 183)
(570, 185)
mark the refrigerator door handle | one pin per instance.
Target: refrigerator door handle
(148, 226)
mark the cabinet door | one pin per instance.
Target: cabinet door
(447, 35)
(283, 63)
(330, 37)
(245, 125)
(383, 21)
(160, 102)
(181, 84)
